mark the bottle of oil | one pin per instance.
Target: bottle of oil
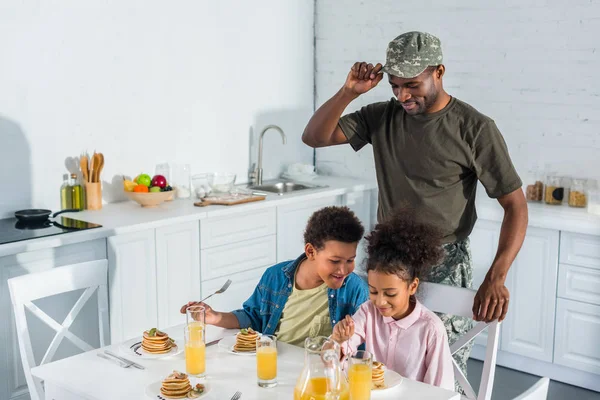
(76, 193)
(66, 199)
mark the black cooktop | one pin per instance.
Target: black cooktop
(12, 230)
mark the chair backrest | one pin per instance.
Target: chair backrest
(539, 391)
(90, 276)
(459, 301)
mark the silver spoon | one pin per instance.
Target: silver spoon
(223, 288)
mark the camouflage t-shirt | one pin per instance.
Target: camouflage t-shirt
(432, 162)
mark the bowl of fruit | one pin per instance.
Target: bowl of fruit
(148, 192)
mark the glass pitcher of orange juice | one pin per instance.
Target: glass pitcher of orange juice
(322, 377)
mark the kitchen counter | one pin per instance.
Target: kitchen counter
(541, 215)
(128, 216)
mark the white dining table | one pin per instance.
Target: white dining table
(87, 376)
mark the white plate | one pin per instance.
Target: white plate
(129, 346)
(227, 344)
(392, 379)
(153, 390)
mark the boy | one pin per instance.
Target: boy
(305, 297)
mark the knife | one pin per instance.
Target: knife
(129, 362)
(213, 342)
(113, 360)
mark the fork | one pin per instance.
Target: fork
(237, 395)
(223, 288)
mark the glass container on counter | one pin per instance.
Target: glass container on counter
(535, 191)
(555, 191)
(578, 193)
(77, 193)
(65, 193)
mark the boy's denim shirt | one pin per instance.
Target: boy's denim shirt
(262, 311)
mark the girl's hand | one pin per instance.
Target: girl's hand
(343, 330)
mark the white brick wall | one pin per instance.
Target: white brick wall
(532, 65)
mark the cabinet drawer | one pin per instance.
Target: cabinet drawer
(578, 283)
(242, 256)
(238, 227)
(580, 250)
(577, 336)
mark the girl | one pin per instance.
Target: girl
(394, 326)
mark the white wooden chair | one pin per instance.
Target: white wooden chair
(459, 301)
(539, 391)
(90, 276)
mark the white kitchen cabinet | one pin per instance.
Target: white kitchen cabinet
(578, 336)
(578, 283)
(580, 250)
(360, 204)
(242, 286)
(238, 227)
(177, 270)
(528, 329)
(243, 256)
(484, 244)
(132, 284)
(291, 223)
(13, 385)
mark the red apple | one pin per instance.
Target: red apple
(159, 181)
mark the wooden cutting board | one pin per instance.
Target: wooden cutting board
(228, 200)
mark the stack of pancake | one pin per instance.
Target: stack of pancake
(156, 342)
(176, 386)
(377, 372)
(245, 341)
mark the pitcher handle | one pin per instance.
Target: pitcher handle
(333, 373)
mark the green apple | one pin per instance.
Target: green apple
(144, 179)
(155, 189)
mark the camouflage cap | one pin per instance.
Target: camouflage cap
(411, 53)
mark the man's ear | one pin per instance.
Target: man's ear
(440, 71)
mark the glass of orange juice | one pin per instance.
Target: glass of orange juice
(266, 360)
(359, 375)
(195, 347)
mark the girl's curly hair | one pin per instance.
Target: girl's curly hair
(403, 246)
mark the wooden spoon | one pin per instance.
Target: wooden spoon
(100, 165)
(92, 167)
(83, 165)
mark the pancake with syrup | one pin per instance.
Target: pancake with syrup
(245, 341)
(156, 342)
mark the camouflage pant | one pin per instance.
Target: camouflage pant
(456, 270)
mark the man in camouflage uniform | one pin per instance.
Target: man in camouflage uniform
(430, 151)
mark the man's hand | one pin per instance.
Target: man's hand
(211, 317)
(363, 77)
(343, 330)
(491, 301)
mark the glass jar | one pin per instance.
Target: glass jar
(555, 190)
(181, 180)
(535, 191)
(578, 193)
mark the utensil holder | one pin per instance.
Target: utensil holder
(93, 195)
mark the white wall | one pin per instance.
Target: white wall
(532, 65)
(145, 82)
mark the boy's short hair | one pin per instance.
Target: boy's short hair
(333, 223)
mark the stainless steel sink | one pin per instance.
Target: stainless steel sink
(283, 187)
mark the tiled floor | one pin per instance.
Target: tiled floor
(509, 383)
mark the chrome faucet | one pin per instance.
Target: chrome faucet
(257, 175)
